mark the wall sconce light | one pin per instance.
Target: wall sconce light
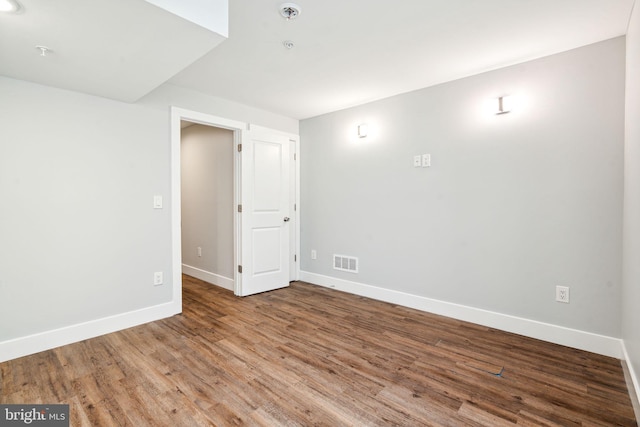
(44, 50)
(363, 129)
(504, 105)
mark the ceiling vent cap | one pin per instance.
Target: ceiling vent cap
(290, 10)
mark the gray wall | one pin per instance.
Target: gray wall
(207, 158)
(79, 238)
(631, 271)
(512, 206)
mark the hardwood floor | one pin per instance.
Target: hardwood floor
(307, 355)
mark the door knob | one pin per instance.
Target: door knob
(286, 219)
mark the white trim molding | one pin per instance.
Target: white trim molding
(209, 277)
(633, 382)
(177, 115)
(582, 340)
(31, 344)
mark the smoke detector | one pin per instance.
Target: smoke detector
(290, 10)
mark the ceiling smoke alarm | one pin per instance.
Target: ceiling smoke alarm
(290, 10)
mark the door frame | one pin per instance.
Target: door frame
(180, 114)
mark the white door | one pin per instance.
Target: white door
(264, 240)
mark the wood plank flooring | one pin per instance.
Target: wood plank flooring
(307, 355)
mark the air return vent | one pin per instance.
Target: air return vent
(345, 263)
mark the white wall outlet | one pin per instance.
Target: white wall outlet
(426, 160)
(199, 251)
(417, 161)
(314, 254)
(157, 202)
(562, 294)
(157, 278)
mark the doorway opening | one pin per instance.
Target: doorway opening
(254, 138)
(206, 162)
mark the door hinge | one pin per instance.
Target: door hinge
(239, 208)
(295, 207)
(239, 269)
(295, 258)
(239, 148)
(295, 156)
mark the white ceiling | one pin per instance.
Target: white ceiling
(347, 52)
(119, 49)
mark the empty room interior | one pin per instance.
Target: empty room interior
(256, 212)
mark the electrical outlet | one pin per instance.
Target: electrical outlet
(562, 294)
(157, 278)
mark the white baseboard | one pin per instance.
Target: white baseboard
(633, 382)
(587, 341)
(207, 276)
(24, 346)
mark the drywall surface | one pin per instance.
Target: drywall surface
(631, 269)
(511, 206)
(80, 239)
(169, 94)
(207, 158)
(210, 14)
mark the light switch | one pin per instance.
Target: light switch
(417, 161)
(157, 278)
(157, 202)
